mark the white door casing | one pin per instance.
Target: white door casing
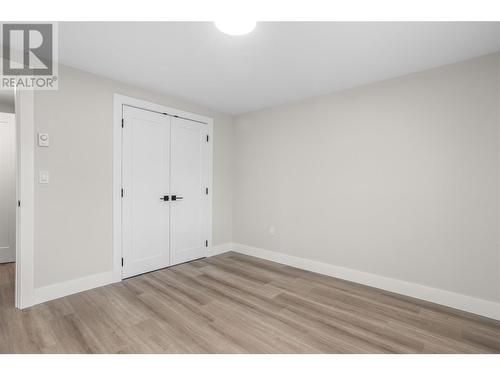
(189, 180)
(206, 123)
(7, 187)
(145, 174)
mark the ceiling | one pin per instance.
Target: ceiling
(277, 63)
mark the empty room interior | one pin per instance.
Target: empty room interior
(270, 187)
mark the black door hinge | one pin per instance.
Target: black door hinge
(122, 193)
(207, 137)
(18, 203)
(206, 243)
(122, 122)
(122, 262)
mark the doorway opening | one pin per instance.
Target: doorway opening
(8, 197)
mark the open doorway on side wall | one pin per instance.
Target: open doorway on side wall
(8, 200)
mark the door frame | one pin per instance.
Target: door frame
(25, 191)
(118, 102)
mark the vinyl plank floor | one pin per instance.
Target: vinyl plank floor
(233, 303)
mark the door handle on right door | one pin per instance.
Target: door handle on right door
(177, 197)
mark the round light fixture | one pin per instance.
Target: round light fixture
(235, 27)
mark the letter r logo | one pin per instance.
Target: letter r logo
(27, 49)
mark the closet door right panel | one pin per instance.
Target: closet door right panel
(188, 183)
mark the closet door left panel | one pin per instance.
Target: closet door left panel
(145, 181)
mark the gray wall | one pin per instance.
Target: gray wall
(73, 214)
(398, 178)
(7, 102)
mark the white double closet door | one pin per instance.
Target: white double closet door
(165, 203)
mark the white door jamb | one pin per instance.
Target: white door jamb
(25, 187)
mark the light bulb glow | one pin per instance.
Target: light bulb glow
(235, 27)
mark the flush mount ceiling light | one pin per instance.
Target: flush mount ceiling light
(235, 27)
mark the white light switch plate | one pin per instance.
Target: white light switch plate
(43, 140)
(43, 177)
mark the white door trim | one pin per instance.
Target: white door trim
(25, 189)
(118, 102)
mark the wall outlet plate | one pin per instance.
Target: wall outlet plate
(43, 177)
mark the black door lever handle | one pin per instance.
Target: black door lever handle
(177, 197)
(164, 198)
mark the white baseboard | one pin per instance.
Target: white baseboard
(458, 301)
(443, 297)
(54, 291)
(220, 249)
(66, 288)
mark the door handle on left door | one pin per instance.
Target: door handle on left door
(164, 198)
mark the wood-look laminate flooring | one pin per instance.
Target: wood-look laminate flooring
(233, 303)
